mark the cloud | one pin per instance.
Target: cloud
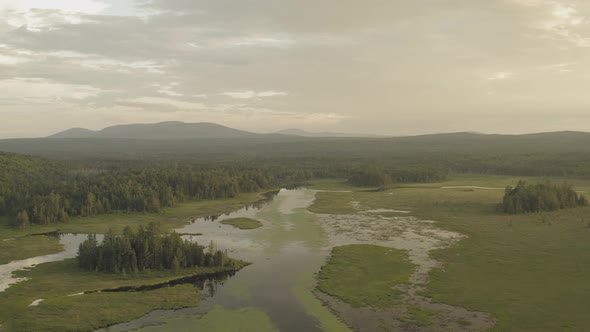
(160, 103)
(565, 22)
(152, 67)
(9, 60)
(359, 66)
(503, 75)
(260, 41)
(38, 15)
(249, 94)
(42, 90)
(559, 67)
(168, 89)
(78, 6)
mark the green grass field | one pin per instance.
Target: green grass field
(242, 223)
(531, 272)
(364, 275)
(53, 282)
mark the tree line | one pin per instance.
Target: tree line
(376, 177)
(527, 198)
(43, 193)
(147, 249)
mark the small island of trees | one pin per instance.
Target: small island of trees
(147, 249)
(527, 198)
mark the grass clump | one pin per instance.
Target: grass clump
(365, 275)
(418, 316)
(242, 223)
(333, 203)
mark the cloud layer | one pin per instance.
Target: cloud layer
(377, 66)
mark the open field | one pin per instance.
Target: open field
(54, 282)
(529, 271)
(365, 275)
(242, 223)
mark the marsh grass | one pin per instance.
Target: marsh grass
(418, 316)
(365, 275)
(53, 282)
(333, 203)
(242, 223)
(23, 247)
(531, 271)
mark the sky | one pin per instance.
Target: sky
(388, 67)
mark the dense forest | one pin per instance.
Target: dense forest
(146, 249)
(526, 198)
(40, 191)
(36, 190)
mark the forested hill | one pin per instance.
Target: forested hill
(303, 133)
(209, 141)
(162, 130)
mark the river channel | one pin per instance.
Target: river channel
(286, 252)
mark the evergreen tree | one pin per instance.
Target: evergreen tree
(22, 219)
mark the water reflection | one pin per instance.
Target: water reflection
(286, 252)
(246, 210)
(209, 282)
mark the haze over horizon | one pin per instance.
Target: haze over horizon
(376, 67)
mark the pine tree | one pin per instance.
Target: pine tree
(22, 219)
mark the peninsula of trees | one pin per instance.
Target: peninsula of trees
(527, 198)
(147, 249)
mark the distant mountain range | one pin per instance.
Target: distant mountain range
(303, 133)
(208, 140)
(157, 131)
(182, 130)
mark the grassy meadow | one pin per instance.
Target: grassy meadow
(242, 223)
(531, 271)
(364, 275)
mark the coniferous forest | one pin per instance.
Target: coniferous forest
(35, 190)
(38, 191)
(146, 249)
(542, 197)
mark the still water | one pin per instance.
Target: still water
(276, 289)
(286, 253)
(70, 242)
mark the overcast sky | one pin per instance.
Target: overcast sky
(373, 66)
